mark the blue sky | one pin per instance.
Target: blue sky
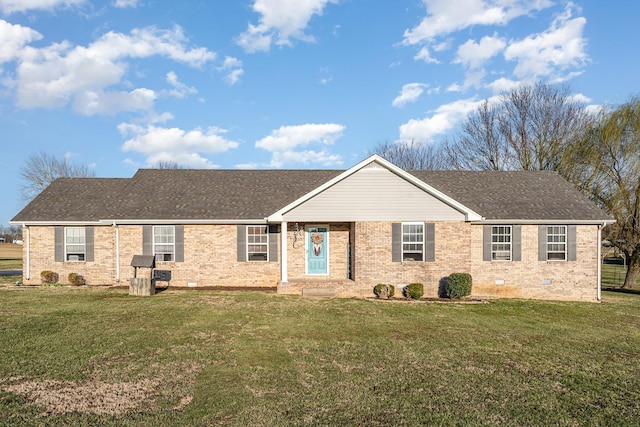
(123, 84)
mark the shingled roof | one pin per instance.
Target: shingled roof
(183, 194)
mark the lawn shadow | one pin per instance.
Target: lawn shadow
(442, 287)
(623, 290)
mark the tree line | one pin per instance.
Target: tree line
(545, 127)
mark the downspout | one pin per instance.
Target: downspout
(283, 252)
(117, 252)
(599, 294)
(27, 263)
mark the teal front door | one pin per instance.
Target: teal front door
(317, 251)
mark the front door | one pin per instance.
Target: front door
(317, 250)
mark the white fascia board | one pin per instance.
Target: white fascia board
(182, 221)
(546, 221)
(141, 222)
(36, 223)
(469, 214)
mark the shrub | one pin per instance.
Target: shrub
(384, 291)
(76, 279)
(458, 285)
(48, 276)
(413, 291)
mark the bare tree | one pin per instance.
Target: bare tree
(540, 123)
(480, 146)
(42, 169)
(412, 155)
(528, 128)
(607, 166)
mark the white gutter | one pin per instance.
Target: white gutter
(147, 221)
(545, 221)
(27, 263)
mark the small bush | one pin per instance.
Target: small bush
(76, 279)
(459, 285)
(384, 291)
(48, 276)
(413, 291)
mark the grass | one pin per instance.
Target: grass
(613, 275)
(100, 357)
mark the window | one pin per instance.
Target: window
(556, 243)
(257, 243)
(74, 244)
(164, 242)
(501, 243)
(412, 241)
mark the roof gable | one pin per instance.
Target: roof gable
(361, 198)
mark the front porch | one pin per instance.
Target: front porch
(319, 287)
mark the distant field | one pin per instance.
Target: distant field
(10, 256)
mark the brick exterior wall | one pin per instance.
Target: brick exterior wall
(570, 280)
(210, 259)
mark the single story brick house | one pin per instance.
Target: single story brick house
(337, 232)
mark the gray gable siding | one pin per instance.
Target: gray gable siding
(374, 194)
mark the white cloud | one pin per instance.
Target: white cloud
(180, 90)
(305, 157)
(233, 69)
(14, 38)
(445, 118)
(159, 144)
(122, 4)
(502, 85)
(285, 143)
(280, 22)
(551, 52)
(10, 6)
(474, 55)
(409, 93)
(424, 54)
(446, 16)
(59, 74)
(99, 102)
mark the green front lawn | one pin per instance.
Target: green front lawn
(100, 357)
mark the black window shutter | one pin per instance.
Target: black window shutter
(486, 243)
(516, 241)
(430, 242)
(179, 239)
(542, 243)
(59, 244)
(147, 244)
(572, 243)
(88, 242)
(396, 242)
(273, 243)
(242, 243)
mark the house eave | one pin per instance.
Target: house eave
(141, 222)
(546, 221)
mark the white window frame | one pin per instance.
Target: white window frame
(557, 242)
(417, 242)
(501, 243)
(256, 242)
(167, 244)
(71, 249)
